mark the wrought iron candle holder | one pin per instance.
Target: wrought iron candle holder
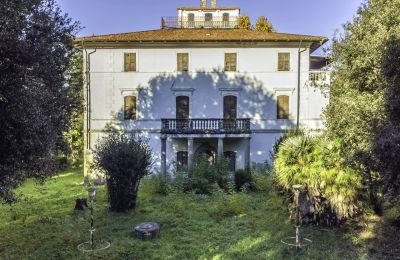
(92, 245)
(297, 241)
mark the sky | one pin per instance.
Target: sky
(311, 17)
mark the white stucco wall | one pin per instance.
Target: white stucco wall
(156, 83)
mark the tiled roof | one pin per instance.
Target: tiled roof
(200, 35)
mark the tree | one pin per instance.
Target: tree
(244, 22)
(386, 141)
(263, 25)
(74, 135)
(36, 43)
(356, 112)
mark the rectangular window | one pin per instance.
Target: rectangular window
(182, 160)
(183, 62)
(230, 61)
(130, 108)
(129, 62)
(283, 107)
(283, 61)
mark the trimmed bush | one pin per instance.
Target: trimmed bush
(331, 187)
(125, 161)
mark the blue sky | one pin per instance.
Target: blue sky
(313, 17)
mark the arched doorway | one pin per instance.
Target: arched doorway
(208, 151)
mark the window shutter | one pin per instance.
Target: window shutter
(230, 61)
(130, 108)
(183, 62)
(130, 62)
(283, 107)
(283, 61)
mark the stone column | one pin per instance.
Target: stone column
(190, 155)
(164, 155)
(220, 149)
(247, 153)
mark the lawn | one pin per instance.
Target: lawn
(44, 225)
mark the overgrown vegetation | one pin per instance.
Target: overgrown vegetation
(364, 97)
(125, 160)
(316, 163)
(190, 227)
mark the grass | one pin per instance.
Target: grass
(44, 225)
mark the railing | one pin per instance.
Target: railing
(319, 76)
(205, 126)
(199, 22)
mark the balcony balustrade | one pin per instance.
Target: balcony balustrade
(205, 126)
(199, 22)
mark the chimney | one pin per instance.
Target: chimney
(203, 3)
(214, 3)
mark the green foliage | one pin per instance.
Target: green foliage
(392, 211)
(74, 135)
(263, 25)
(242, 177)
(263, 182)
(318, 165)
(125, 161)
(286, 135)
(244, 22)
(363, 93)
(35, 105)
(386, 141)
(228, 205)
(207, 174)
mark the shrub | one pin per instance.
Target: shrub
(392, 211)
(289, 134)
(125, 161)
(206, 174)
(155, 184)
(331, 188)
(243, 177)
(263, 182)
(228, 205)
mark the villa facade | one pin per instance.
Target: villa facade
(202, 85)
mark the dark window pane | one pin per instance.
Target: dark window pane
(182, 107)
(231, 156)
(182, 160)
(230, 107)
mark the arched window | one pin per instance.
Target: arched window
(129, 107)
(282, 106)
(191, 20)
